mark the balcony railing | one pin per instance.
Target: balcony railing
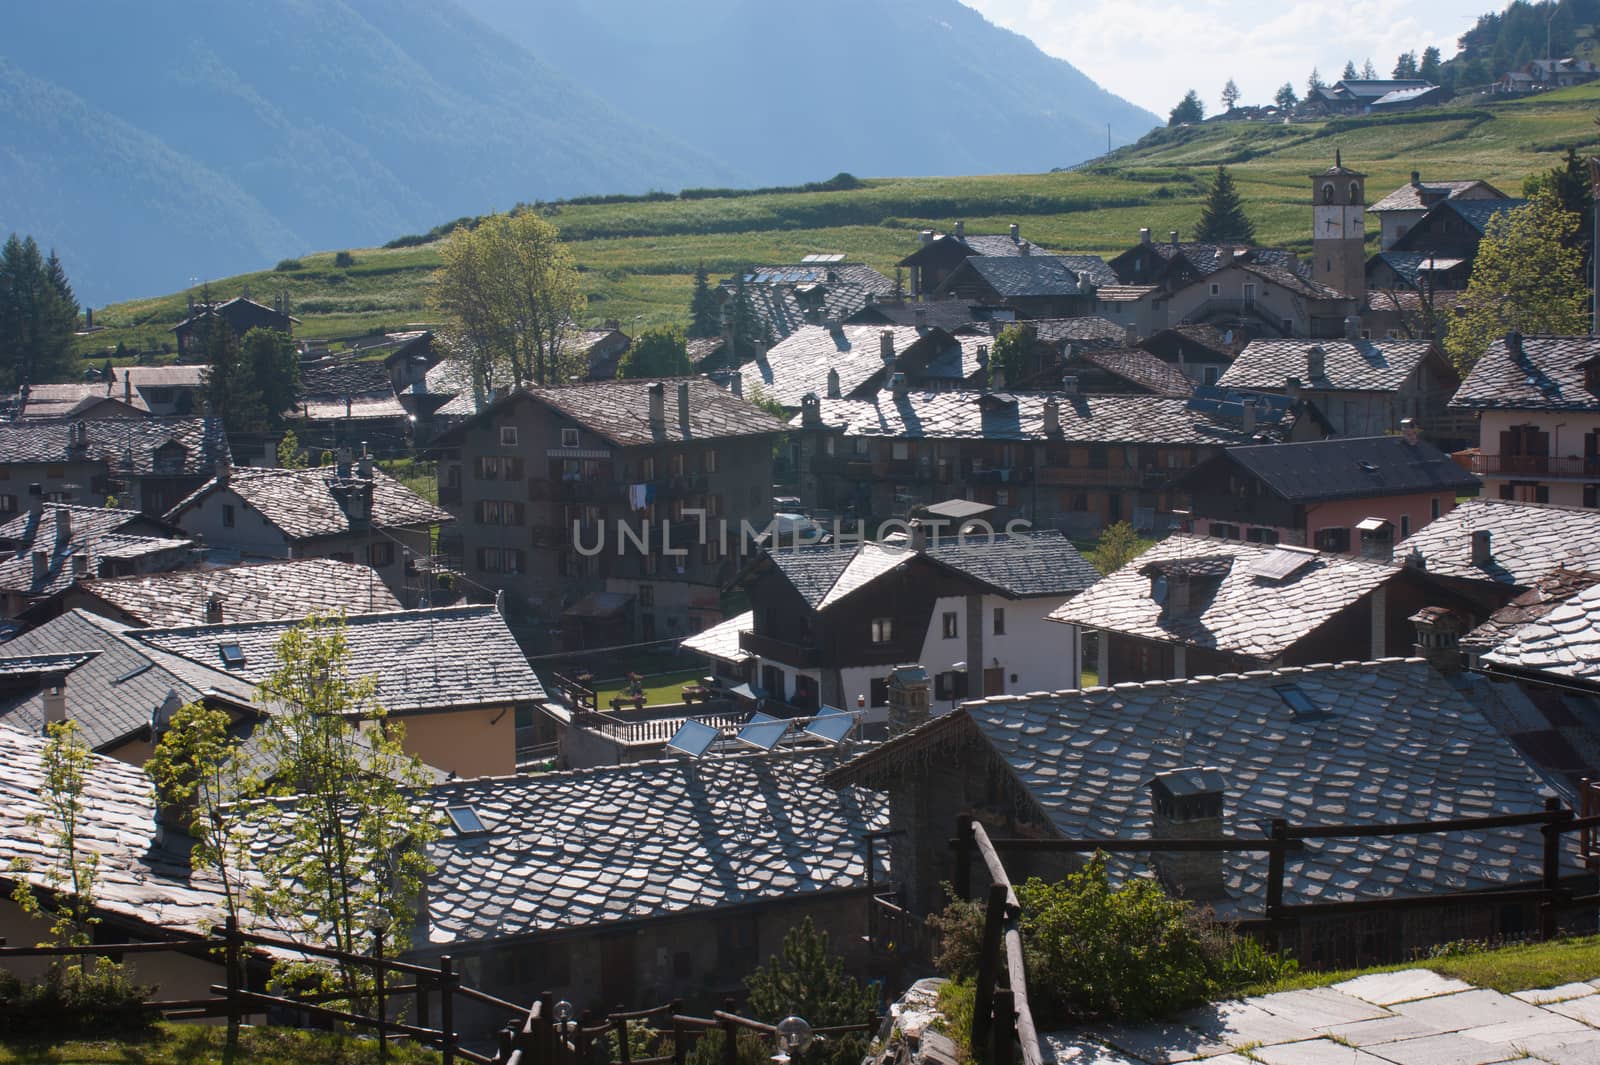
(1535, 466)
(1089, 476)
(790, 654)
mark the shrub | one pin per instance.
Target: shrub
(344, 258)
(960, 931)
(289, 264)
(91, 999)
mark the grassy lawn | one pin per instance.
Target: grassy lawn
(189, 1044)
(666, 688)
(419, 475)
(1516, 968)
(638, 259)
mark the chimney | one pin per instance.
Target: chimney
(1172, 235)
(886, 346)
(920, 316)
(1178, 597)
(683, 405)
(1439, 631)
(1051, 422)
(364, 466)
(1316, 363)
(1514, 344)
(1248, 421)
(36, 500)
(898, 383)
(171, 816)
(1130, 335)
(1481, 555)
(981, 379)
(926, 236)
(1377, 539)
(1352, 328)
(214, 609)
(1025, 249)
(833, 384)
(1144, 235)
(1069, 383)
(80, 564)
(961, 229)
(1291, 386)
(127, 386)
(55, 702)
(658, 405)
(1416, 179)
(63, 526)
(918, 535)
(1408, 430)
(811, 411)
(224, 471)
(910, 689)
(1016, 233)
(41, 568)
(1188, 804)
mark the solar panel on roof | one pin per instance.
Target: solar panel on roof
(693, 738)
(831, 724)
(763, 731)
(1281, 564)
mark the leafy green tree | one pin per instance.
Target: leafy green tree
(656, 353)
(351, 852)
(1119, 544)
(274, 365)
(1011, 355)
(1528, 277)
(1570, 185)
(202, 773)
(804, 980)
(1230, 95)
(1406, 65)
(1188, 111)
(1428, 68)
(72, 870)
(509, 291)
(38, 315)
(1285, 97)
(1223, 218)
(705, 314)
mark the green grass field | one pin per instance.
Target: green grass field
(658, 690)
(639, 258)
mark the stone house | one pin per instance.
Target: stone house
(606, 502)
(51, 547)
(146, 463)
(1453, 228)
(940, 254)
(1406, 206)
(785, 298)
(828, 623)
(852, 361)
(350, 512)
(1035, 286)
(239, 314)
(1377, 742)
(1537, 401)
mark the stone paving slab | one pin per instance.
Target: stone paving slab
(1444, 1049)
(1318, 1007)
(1469, 1009)
(1315, 1052)
(1586, 1010)
(1544, 996)
(1386, 989)
(1066, 1049)
(1515, 1033)
(1382, 1030)
(1160, 1044)
(1237, 1023)
(1565, 1048)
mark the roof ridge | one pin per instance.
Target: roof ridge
(651, 764)
(365, 618)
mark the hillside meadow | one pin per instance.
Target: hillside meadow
(638, 257)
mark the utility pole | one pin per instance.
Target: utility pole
(1594, 244)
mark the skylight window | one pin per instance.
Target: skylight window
(466, 821)
(232, 655)
(1295, 698)
(134, 672)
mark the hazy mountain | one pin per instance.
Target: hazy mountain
(153, 143)
(794, 92)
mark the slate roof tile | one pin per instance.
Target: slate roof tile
(1542, 373)
(1526, 541)
(164, 446)
(304, 504)
(1364, 366)
(1564, 642)
(1418, 197)
(1352, 468)
(290, 588)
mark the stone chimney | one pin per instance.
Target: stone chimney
(1016, 233)
(127, 386)
(1189, 803)
(1069, 383)
(658, 405)
(1481, 554)
(926, 236)
(1352, 328)
(1050, 424)
(910, 696)
(1248, 419)
(1377, 539)
(920, 317)
(1316, 363)
(63, 527)
(833, 384)
(1130, 335)
(214, 609)
(36, 501)
(918, 531)
(1291, 387)
(961, 229)
(811, 411)
(1416, 178)
(55, 702)
(1144, 235)
(1514, 344)
(736, 383)
(1178, 597)
(982, 377)
(41, 568)
(1408, 430)
(683, 405)
(364, 465)
(1172, 235)
(886, 346)
(1439, 632)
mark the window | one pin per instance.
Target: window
(508, 436)
(1224, 531)
(1405, 526)
(1433, 507)
(8, 504)
(380, 554)
(678, 464)
(647, 468)
(227, 515)
(708, 462)
(1216, 290)
(1336, 539)
(569, 438)
(1262, 536)
(882, 630)
(1002, 497)
(232, 655)
(999, 621)
(500, 560)
(647, 596)
(901, 451)
(465, 820)
(950, 627)
(499, 467)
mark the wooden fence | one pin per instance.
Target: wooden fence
(1002, 1019)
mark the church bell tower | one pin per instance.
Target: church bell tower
(1339, 230)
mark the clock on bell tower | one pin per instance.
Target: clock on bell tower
(1339, 230)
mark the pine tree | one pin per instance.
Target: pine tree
(1406, 65)
(1189, 110)
(1428, 69)
(1314, 83)
(705, 316)
(746, 327)
(1285, 98)
(1368, 71)
(1223, 218)
(1230, 95)
(1350, 72)
(38, 315)
(804, 980)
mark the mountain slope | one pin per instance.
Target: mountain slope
(799, 92)
(348, 122)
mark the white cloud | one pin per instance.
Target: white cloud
(1153, 51)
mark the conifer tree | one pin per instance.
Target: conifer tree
(1230, 95)
(1285, 98)
(38, 315)
(1189, 110)
(1313, 83)
(1350, 73)
(705, 316)
(1428, 69)
(1223, 218)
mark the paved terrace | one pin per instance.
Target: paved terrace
(1410, 1017)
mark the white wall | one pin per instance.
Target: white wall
(1040, 655)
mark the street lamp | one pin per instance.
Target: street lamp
(793, 1036)
(563, 1014)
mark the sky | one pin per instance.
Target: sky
(1153, 51)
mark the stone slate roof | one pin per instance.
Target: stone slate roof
(970, 415)
(1141, 369)
(1421, 196)
(345, 376)
(1037, 275)
(1548, 592)
(800, 363)
(976, 244)
(113, 693)
(440, 659)
(1364, 366)
(303, 504)
(264, 591)
(94, 534)
(786, 298)
(1288, 277)
(1257, 617)
(1479, 213)
(126, 445)
(1089, 330)
(721, 641)
(1541, 373)
(1351, 468)
(1019, 566)
(652, 839)
(1394, 743)
(1526, 541)
(1564, 643)
(135, 881)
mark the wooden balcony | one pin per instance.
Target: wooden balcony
(1536, 466)
(790, 654)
